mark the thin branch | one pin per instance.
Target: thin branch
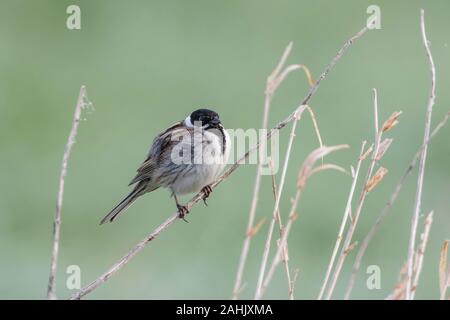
(399, 289)
(375, 109)
(387, 207)
(421, 252)
(415, 217)
(316, 127)
(81, 104)
(291, 294)
(272, 83)
(345, 248)
(282, 230)
(343, 223)
(306, 171)
(369, 183)
(125, 259)
(280, 224)
(118, 265)
(265, 256)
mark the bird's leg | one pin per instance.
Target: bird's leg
(182, 210)
(206, 192)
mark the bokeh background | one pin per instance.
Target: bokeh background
(147, 64)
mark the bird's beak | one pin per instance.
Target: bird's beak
(215, 121)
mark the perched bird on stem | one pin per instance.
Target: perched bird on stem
(185, 158)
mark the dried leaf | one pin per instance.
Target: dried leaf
(384, 145)
(443, 276)
(391, 121)
(308, 75)
(316, 127)
(399, 289)
(307, 166)
(327, 166)
(365, 154)
(254, 230)
(351, 247)
(376, 178)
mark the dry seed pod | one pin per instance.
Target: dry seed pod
(376, 178)
(391, 121)
(383, 148)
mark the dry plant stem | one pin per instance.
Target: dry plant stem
(280, 224)
(343, 223)
(282, 230)
(265, 256)
(388, 206)
(415, 217)
(59, 202)
(296, 272)
(251, 216)
(118, 265)
(309, 171)
(444, 275)
(345, 248)
(421, 252)
(313, 89)
(270, 89)
(287, 229)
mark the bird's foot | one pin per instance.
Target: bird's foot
(206, 192)
(182, 211)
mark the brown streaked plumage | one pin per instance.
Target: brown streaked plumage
(159, 169)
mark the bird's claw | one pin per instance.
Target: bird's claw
(206, 192)
(182, 211)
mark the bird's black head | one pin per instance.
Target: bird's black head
(204, 118)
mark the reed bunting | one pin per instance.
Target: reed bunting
(185, 158)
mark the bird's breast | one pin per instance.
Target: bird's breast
(208, 161)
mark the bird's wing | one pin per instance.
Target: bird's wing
(160, 149)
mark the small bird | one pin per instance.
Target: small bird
(185, 158)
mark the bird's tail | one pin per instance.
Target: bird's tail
(124, 204)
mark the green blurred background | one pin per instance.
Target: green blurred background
(147, 64)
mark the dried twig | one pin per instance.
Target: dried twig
(81, 104)
(118, 265)
(306, 171)
(399, 289)
(282, 230)
(265, 257)
(280, 224)
(399, 292)
(273, 81)
(444, 275)
(369, 183)
(415, 217)
(355, 175)
(420, 252)
(387, 207)
(362, 197)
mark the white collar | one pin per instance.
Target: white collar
(187, 122)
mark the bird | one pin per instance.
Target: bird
(185, 158)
